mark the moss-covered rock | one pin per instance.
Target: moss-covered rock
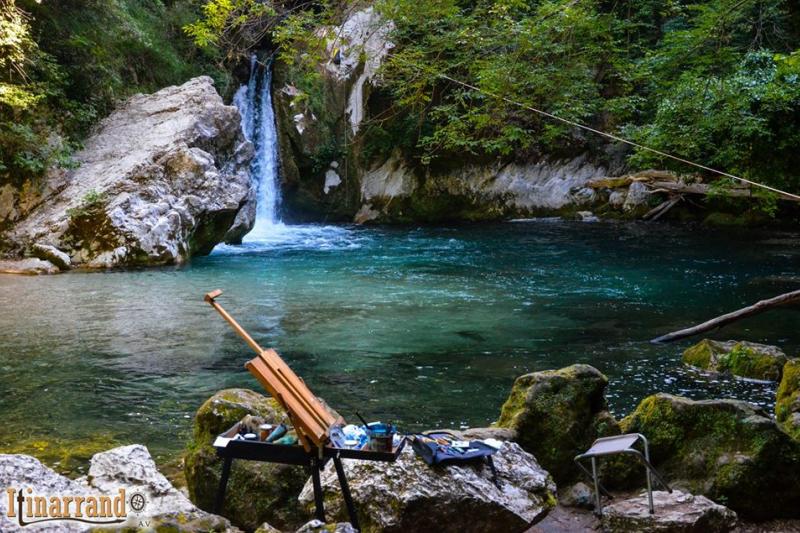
(787, 405)
(725, 449)
(256, 492)
(740, 358)
(557, 414)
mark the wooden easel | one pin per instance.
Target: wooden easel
(311, 421)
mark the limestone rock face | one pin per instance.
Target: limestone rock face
(724, 449)
(409, 495)
(161, 179)
(557, 414)
(678, 512)
(132, 467)
(256, 492)
(45, 252)
(787, 406)
(740, 358)
(128, 467)
(23, 471)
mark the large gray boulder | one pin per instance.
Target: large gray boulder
(128, 471)
(678, 512)
(21, 472)
(161, 179)
(256, 492)
(726, 450)
(557, 414)
(166, 507)
(409, 495)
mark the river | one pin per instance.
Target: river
(427, 327)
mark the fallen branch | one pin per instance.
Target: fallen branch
(657, 212)
(758, 307)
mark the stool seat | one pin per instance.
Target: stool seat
(616, 445)
(609, 445)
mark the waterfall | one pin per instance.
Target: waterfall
(254, 101)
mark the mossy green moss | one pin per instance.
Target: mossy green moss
(744, 359)
(257, 492)
(558, 414)
(724, 449)
(787, 404)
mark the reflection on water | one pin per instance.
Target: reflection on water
(425, 326)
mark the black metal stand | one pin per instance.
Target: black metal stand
(296, 455)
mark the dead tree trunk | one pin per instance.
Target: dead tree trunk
(758, 307)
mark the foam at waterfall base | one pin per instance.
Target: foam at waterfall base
(279, 236)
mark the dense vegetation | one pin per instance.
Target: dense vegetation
(716, 81)
(65, 63)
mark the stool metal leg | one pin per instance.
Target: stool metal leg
(647, 469)
(598, 506)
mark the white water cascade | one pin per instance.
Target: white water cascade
(254, 101)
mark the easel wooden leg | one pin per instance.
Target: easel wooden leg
(223, 483)
(348, 499)
(318, 501)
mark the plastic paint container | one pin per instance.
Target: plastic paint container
(381, 436)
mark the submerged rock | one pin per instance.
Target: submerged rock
(557, 414)
(257, 492)
(162, 179)
(27, 267)
(726, 450)
(740, 358)
(409, 495)
(787, 405)
(677, 512)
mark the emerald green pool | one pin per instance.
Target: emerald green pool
(427, 327)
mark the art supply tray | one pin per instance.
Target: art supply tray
(256, 450)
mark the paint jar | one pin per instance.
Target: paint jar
(381, 436)
(264, 430)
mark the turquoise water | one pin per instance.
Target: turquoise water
(427, 327)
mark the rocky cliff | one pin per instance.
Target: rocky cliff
(328, 172)
(160, 180)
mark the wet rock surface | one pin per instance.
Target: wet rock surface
(676, 512)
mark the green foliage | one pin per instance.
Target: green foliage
(236, 25)
(91, 202)
(546, 54)
(65, 64)
(715, 81)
